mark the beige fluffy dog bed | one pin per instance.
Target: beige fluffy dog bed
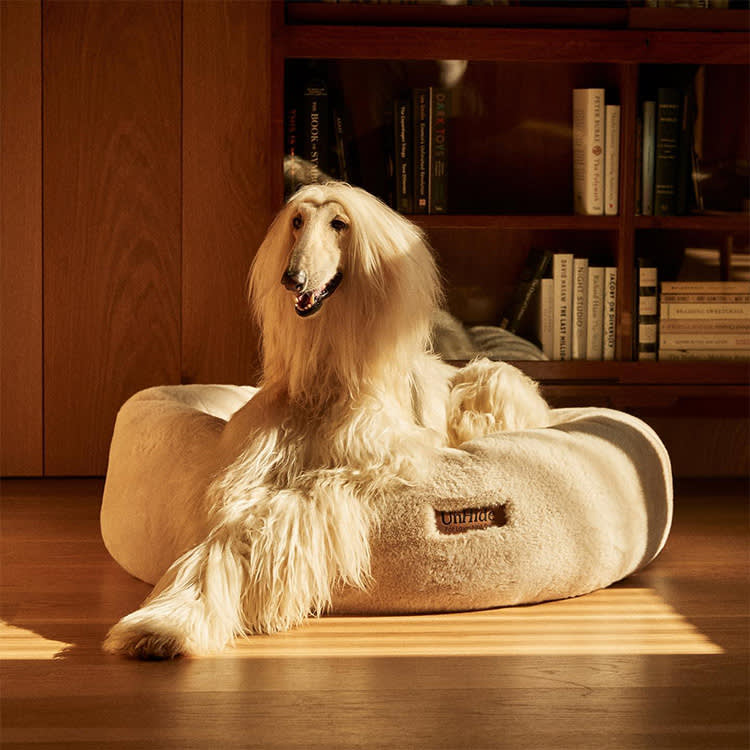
(516, 517)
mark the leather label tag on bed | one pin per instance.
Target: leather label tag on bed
(469, 519)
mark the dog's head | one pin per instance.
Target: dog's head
(340, 275)
(320, 235)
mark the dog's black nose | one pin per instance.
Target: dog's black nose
(294, 281)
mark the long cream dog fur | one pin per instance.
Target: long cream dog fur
(352, 406)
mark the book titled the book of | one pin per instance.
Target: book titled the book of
(438, 167)
(588, 151)
(667, 150)
(316, 127)
(580, 307)
(562, 275)
(595, 314)
(611, 159)
(647, 157)
(610, 312)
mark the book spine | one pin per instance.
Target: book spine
(537, 263)
(438, 187)
(421, 117)
(710, 341)
(666, 165)
(547, 317)
(704, 326)
(683, 311)
(342, 166)
(293, 148)
(704, 298)
(610, 312)
(648, 310)
(562, 275)
(315, 97)
(696, 354)
(612, 160)
(647, 155)
(588, 151)
(580, 307)
(403, 135)
(595, 316)
(705, 287)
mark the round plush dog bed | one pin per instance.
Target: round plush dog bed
(515, 517)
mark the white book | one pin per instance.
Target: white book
(610, 312)
(611, 159)
(648, 154)
(580, 307)
(595, 328)
(693, 354)
(588, 151)
(547, 317)
(562, 276)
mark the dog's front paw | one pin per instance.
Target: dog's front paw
(144, 641)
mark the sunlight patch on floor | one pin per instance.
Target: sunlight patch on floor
(612, 621)
(19, 643)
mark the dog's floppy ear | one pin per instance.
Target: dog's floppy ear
(270, 262)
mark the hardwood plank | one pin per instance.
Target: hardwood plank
(657, 661)
(112, 218)
(227, 196)
(21, 433)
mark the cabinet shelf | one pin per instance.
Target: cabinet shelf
(512, 221)
(535, 56)
(729, 222)
(514, 44)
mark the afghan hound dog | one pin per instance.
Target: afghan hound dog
(352, 405)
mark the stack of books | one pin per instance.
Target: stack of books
(596, 153)
(420, 142)
(578, 310)
(704, 320)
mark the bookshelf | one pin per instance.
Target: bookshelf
(511, 173)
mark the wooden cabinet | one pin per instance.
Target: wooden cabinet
(510, 160)
(141, 153)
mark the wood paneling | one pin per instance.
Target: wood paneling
(21, 436)
(226, 182)
(112, 217)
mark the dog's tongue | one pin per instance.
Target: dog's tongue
(305, 299)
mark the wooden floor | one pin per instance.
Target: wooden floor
(657, 661)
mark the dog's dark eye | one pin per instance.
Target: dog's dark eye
(297, 222)
(339, 225)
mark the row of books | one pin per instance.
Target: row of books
(692, 320)
(666, 161)
(596, 153)
(575, 305)
(420, 155)
(316, 144)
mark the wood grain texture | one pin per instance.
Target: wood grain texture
(112, 218)
(226, 182)
(657, 661)
(21, 432)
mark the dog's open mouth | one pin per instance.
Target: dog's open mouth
(308, 303)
